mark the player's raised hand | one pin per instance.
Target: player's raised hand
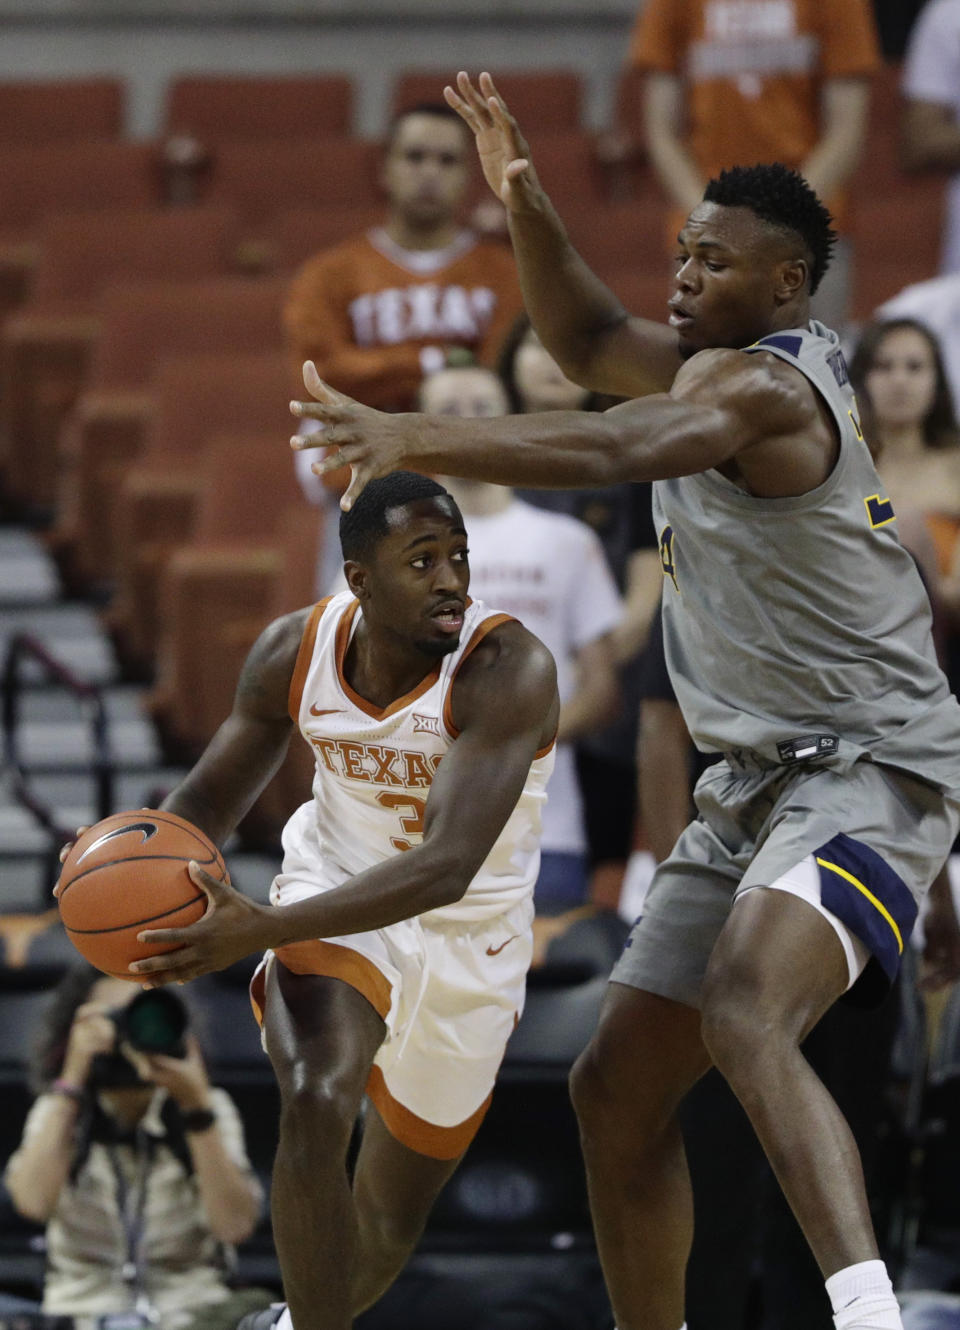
(370, 442)
(504, 154)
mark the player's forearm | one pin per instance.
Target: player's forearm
(650, 439)
(421, 879)
(569, 306)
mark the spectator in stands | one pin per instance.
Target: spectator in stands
(136, 1165)
(936, 304)
(378, 312)
(931, 127)
(550, 571)
(759, 81)
(909, 423)
(621, 517)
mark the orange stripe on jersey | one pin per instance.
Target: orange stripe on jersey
(378, 713)
(415, 1132)
(479, 633)
(304, 656)
(334, 961)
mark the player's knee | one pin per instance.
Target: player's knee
(315, 1106)
(740, 1015)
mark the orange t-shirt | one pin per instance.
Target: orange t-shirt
(364, 310)
(754, 70)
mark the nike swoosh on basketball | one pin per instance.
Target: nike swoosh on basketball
(324, 711)
(146, 829)
(495, 951)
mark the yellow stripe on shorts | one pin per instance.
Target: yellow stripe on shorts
(835, 868)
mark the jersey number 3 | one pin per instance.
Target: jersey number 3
(411, 822)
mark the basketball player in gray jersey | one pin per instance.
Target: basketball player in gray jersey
(798, 639)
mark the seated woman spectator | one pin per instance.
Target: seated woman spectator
(134, 1162)
(911, 429)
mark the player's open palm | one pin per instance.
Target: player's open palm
(504, 154)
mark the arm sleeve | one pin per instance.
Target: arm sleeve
(657, 40)
(849, 48)
(931, 71)
(595, 606)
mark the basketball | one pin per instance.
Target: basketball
(129, 873)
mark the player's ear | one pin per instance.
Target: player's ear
(356, 576)
(792, 277)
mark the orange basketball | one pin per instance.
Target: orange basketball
(127, 874)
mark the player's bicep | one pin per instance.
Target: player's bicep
(510, 718)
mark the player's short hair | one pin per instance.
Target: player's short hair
(781, 197)
(363, 525)
(440, 110)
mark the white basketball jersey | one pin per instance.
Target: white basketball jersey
(375, 765)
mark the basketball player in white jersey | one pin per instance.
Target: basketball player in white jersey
(399, 933)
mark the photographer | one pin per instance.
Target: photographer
(135, 1163)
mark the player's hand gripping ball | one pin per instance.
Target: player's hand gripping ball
(129, 873)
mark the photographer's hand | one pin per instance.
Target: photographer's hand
(185, 1079)
(92, 1032)
(233, 927)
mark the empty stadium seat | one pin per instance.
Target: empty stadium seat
(194, 398)
(629, 235)
(296, 234)
(60, 110)
(45, 347)
(540, 99)
(217, 108)
(315, 171)
(60, 177)
(140, 323)
(218, 592)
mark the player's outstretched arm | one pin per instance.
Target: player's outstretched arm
(249, 746)
(724, 404)
(506, 707)
(578, 318)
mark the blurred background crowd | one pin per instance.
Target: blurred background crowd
(178, 232)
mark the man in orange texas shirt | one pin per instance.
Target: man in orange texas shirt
(741, 81)
(378, 312)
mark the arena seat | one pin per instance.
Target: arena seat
(39, 111)
(194, 397)
(296, 234)
(140, 323)
(624, 236)
(218, 592)
(897, 240)
(60, 177)
(45, 346)
(568, 168)
(217, 108)
(539, 98)
(316, 171)
(642, 292)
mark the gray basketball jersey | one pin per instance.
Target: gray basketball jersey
(800, 626)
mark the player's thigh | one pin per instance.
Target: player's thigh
(777, 959)
(319, 1030)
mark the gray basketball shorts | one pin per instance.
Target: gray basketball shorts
(878, 837)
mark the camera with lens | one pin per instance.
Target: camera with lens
(154, 1022)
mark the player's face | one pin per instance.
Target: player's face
(902, 381)
(417, 581)
(726, 283)
(470, 393)
(541, 382)
(426, 168)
